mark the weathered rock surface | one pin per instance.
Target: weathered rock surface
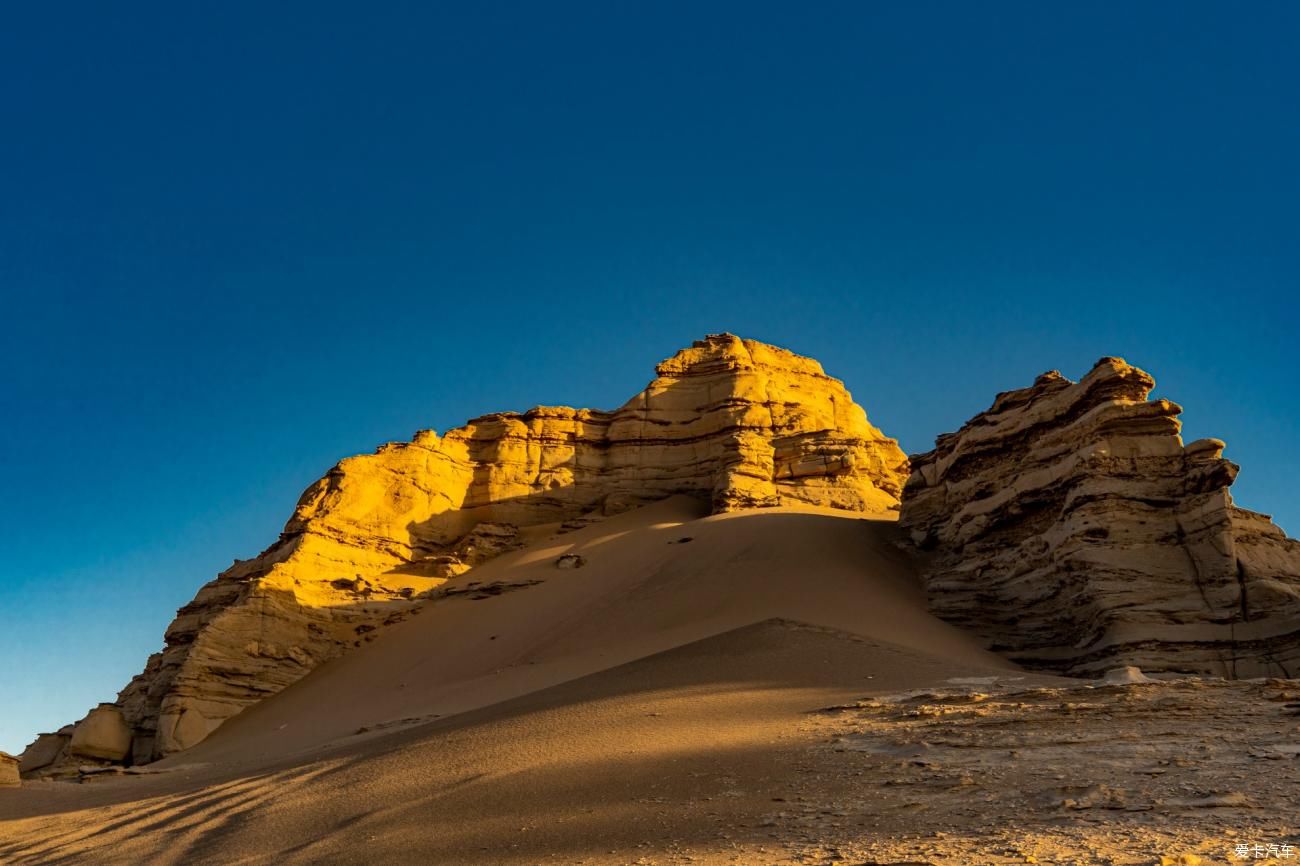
(736, 422)
(103, 734)
(1071, 527)
(46, 750)
(1182, 772)
(9, 777)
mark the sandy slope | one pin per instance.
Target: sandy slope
(642, 590)
(647, 705)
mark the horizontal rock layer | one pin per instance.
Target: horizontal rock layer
(1071, 527)
(736, 422)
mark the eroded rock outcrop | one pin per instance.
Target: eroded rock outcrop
(737, 422)
(1071, 527)
(9, 777)
(103, 734)
(47, 750)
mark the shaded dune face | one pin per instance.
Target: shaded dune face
(1071, 527)
(679, 662)
(522, 623)
(735, 423)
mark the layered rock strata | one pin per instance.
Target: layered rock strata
(736, 422)
(1071, 527)
(9, 776)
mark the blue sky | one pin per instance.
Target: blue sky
(241, 241)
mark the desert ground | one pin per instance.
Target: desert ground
(753, 687)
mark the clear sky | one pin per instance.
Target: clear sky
(240, 241)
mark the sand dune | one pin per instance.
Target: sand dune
(648, 702)
(642, 590)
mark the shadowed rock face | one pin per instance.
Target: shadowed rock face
(1071, 527)
(735, 422)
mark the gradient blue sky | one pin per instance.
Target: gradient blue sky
(240, 241)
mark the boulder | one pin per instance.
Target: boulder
(103, 734)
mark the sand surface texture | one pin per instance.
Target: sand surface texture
(755, 687)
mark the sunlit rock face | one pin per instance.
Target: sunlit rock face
(9, 776)
(1070, 526)
(735, 422)
(102, 734)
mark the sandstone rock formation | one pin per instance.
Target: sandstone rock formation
(1070, 526)
(102, 734)
(9, 777)
(733, 421)
(47, 750)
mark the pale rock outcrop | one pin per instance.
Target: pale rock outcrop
(47, 749)
(1070, 526)
(102, 734)
(1125, 676)
(738, 423)
(9, 776)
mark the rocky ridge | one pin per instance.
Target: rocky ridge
(1071, 527)
(736, 422)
